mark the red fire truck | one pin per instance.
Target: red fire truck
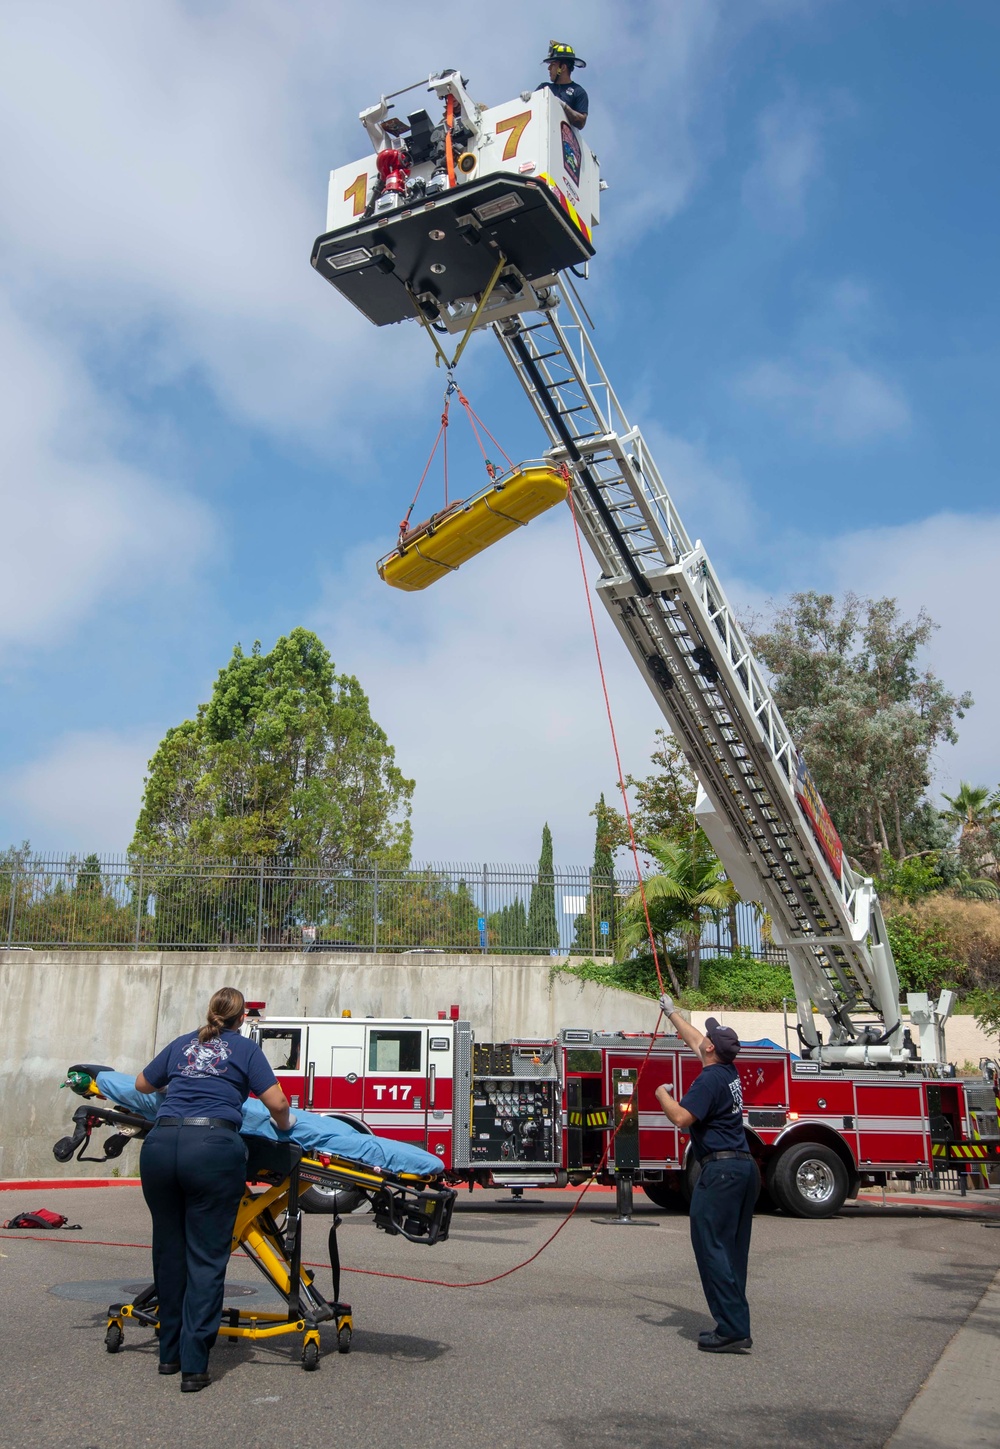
(483, 244)
(532, 1113)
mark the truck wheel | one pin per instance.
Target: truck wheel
(809, 1181)
(664, 1196)
(339, 1200)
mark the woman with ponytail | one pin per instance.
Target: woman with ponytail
(193, 1178)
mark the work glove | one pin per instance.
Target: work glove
(667, 1004)
(526, 95)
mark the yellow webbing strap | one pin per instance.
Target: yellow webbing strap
(442, 356)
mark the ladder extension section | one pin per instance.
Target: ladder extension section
(667, 603)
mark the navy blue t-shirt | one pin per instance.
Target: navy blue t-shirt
(571, 95)
(715, 1098)
(209, 1079)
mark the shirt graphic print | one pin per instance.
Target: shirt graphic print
(206, 1058)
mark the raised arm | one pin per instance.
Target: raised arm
(689, 1035)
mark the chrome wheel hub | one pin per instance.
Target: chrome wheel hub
(814, 1181)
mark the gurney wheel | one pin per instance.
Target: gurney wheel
(344, 1338)
(310, 1356)
(114, 1338)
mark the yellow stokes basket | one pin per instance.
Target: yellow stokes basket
(450, 538)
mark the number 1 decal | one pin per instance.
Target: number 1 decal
(515, 125)
(359, 190)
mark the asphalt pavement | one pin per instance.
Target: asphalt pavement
(591, 1346)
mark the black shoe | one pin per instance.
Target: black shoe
(169, 1368)
(716, 1343)
(192, 1383)
(707, 1333)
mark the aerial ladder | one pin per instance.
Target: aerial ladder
(757, 803)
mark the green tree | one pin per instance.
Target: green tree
(508, 927)
(848, 680)
(973, 809)
(600, 905)
(284, 761)
(543, 928)
(664, 800)
(689, 888)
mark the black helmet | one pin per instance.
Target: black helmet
(563, 55)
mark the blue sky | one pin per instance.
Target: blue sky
(795, 295)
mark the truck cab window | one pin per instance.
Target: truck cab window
(394, 1051)
(283, 1048)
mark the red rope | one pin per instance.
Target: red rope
(441, 430)
(444, 429)
(614, 741)
(473, 419)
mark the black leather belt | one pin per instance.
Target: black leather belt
(196, 1122)
(723, 1156)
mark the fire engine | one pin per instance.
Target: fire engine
(534, 1113)
(477, 219)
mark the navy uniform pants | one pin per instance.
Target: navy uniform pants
(721, 1218)
(192, 1179)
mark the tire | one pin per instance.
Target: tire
(310, 1357)
(335, 1200)
(668, 1199)
(809, 1180)
(114, 1338)
(344, 1336)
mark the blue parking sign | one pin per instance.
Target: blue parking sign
(605, 928)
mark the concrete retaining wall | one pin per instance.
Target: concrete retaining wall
(119, 1008)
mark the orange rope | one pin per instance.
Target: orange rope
(441, 430)
(475, 418)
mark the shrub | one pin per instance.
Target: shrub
(740, 983)
(925, 960)
(962, 935)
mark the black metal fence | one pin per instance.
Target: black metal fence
(267, 905)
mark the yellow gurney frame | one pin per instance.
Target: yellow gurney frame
(403, 1203)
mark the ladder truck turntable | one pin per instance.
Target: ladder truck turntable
(479, 221)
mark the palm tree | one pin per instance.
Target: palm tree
(689, 886)
(974, 808)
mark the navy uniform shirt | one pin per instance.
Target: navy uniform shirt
(715, 1098)
(571, 95)
(209, 1079)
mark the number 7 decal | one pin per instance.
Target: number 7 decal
(515, 125)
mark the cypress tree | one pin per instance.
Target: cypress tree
(543, 928)
(587, 936)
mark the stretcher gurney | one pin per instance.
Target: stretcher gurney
(268, 1227)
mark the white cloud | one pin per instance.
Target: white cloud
(488, 686)
(77, 524)
(83, 794)
(788, 159)
(827, 386)
(830, 397)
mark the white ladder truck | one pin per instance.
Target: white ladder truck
(483, 238)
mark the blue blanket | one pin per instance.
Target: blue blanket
(310, 1130)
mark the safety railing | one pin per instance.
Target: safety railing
(307, 905)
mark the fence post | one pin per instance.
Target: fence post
(486, 915)
(13, 898)
(375, 910)
(139, 907)
(593, 919)
(260, 905)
